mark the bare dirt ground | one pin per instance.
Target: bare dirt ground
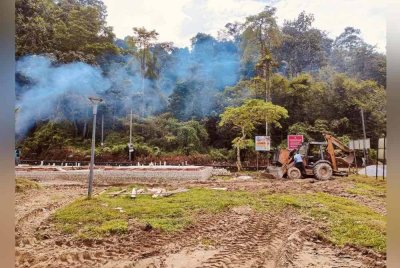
(239, 237)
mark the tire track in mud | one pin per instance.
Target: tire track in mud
(244, 246)
(239, 237)
(259, 240)
(33, 208)
(240, 240)
(38, 206)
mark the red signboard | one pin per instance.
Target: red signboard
(294, 141)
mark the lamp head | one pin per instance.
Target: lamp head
(95, 100)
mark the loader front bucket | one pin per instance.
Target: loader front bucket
(277, 172)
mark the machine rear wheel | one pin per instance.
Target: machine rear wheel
(322, 171)
(294, 173)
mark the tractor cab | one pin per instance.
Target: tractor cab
(312, 152)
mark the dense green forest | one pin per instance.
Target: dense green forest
(198, 103)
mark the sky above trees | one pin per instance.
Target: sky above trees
(180, 20)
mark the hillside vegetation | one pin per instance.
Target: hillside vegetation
(66, 50)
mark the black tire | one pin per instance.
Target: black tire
(322, 171)
(293, 173)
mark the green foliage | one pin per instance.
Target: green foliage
(117, 149)
(221, 154)
(300, 128)
(112, 227)
(240, 143)
(344, 139)
(70, 30)
(114, 137)
(187, 138)
(98, 216)
(321, 83)
(185, 102)
(143, 149)
(247, 116)
(347, 221)
(251, 113)
(23, 185)
(330, 102)
(261, 33)
(168, 134)
(369, 187)
(351, 223)
(306, 47)
(353, 56)
(51, 135)
(162, 134)
(90, 218)
(139, 44)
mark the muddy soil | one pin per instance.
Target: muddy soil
(239, 237)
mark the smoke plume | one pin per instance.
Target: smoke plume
(50, 91)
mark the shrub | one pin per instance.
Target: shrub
(219, 154)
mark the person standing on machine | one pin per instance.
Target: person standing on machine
(298, 162)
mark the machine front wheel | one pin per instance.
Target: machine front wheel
(322, 171)
(294, 173)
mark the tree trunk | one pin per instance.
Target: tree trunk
(238, 162)
(75, 128)
(143, 67)
(84, 129)
(266, 77)
(84, 132)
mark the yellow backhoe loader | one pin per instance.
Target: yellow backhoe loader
(320, 159)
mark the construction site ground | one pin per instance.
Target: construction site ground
(234, 236)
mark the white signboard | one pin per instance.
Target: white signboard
(359, 144)
(263, 143)
(130, 147)
(381, 148)
(382, 143)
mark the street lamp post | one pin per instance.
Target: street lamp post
(130, 139)
(102, 129)
(95, 102)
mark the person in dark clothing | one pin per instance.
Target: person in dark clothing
(17, 156)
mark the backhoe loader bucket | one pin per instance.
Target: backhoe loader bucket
(277, 172)
(348, 159)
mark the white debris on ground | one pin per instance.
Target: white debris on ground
(133, 193)
(154, 192)
(371, 170)
(121, 210)
(244, 177)
(220, 188)
(157, 192)
(221, 172)
(163, 193)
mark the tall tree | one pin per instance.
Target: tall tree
(304, 47)
(353, 56)
(263, 32)
(69, 29)
(246, 117)
(142, 40)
